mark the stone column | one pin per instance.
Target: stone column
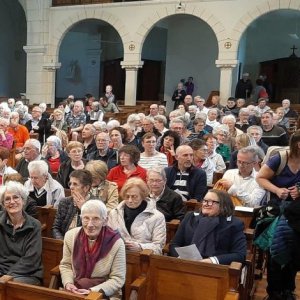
(131, 80)
(37, 78)
(226, 68)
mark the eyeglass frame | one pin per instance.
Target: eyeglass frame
(210, 202)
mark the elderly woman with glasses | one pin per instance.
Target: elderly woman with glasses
(20, 235)
(69, 208)
(41, 186)
(74, 150)
(140, 224)
(216, 233)
(94, 255)
(53, 153)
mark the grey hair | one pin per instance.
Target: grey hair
(19, 104)
(201, 115)
(161, 119)
(250, 149)
(213, 109)
(178, 120)
(43, 106)
(112, 124)
(132, 118)
(255, 127)
(35, 143)
(244, 110)
(100, 125)
(94, 206)
(223, 128)
(193, 107)
(39, 166)
(4, 121)
(16, 188)
(229, 118)
(55, 140)
(80, 103)
(158, 170)
(150, 119)
(286, 100)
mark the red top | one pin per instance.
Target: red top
(118, 176)
(54, 164)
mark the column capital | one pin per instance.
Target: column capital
(226, 63)
(51, 66)
(132, 65)
(36, 49)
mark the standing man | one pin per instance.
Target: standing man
(185, 179)
(244, 87)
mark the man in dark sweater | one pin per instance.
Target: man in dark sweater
(273, 135)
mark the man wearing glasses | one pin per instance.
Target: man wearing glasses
(241, 182)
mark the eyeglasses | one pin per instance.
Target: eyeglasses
(13, 198)
(244, 163)
(210, 202)
(155, 181)
(36, 111)
(150, 142)
(102, 141)
(86, 220)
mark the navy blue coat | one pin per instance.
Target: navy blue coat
(230, 241)
(196, 183)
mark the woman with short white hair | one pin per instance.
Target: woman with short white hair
(230, 121)
(41, 186)
(20, 235)
(104, 270)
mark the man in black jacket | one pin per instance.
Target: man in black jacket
(167, 201)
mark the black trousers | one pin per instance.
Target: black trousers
(280, 279)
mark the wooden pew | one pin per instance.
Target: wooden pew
(136, 264)
(173, 278)
(51, 257)
(46, 215)
(11, 290)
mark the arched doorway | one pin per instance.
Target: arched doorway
(90, 56)
(265, 50)
(185, 46)
(13, 35)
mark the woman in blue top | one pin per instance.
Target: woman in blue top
(283, 189)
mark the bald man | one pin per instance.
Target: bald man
(184, 178)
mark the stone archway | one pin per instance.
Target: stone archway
(258, 11)
(60, 30)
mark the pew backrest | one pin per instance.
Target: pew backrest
(51, 256)
(173, 278)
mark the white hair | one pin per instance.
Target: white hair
(19, 104)
(55, 140)
(43, 106)
(16, 188)
(35, 143)
(94, 206)
(229, 118)
(39, 166)
(112, 124)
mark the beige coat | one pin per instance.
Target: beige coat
(112, 266)
(148, 228)
(108, 193)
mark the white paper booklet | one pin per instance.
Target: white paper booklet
(189, 252)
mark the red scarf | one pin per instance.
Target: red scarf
(170, 158)
(85, 258)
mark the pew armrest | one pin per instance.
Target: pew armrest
(55, 281)
(94, 296)
(6, 278)
(138, 288)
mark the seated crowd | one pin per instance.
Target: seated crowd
(114, 186)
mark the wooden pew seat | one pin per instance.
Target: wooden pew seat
(173, 278)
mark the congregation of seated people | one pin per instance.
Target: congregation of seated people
(115, 183)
